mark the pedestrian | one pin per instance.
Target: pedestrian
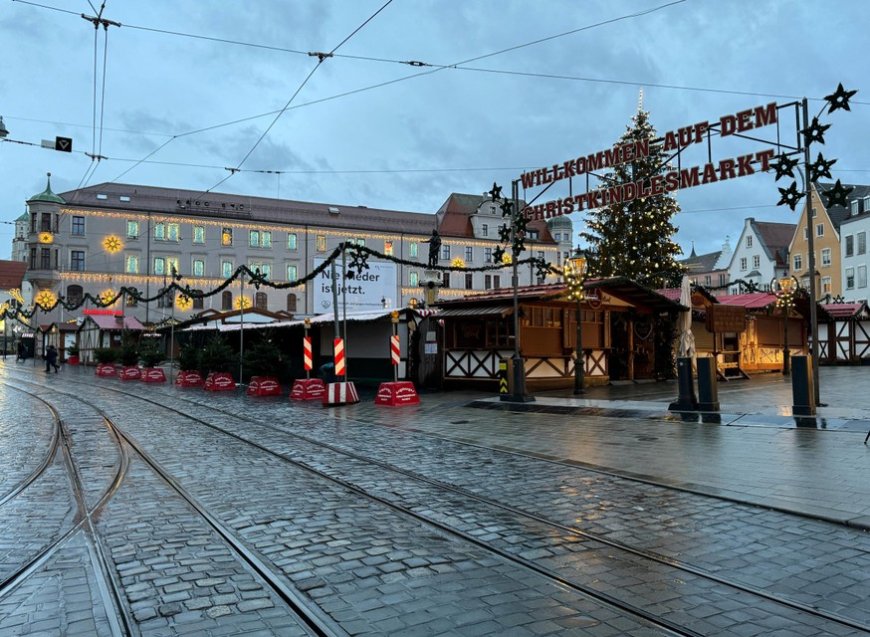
(51, 359)
(20, 352)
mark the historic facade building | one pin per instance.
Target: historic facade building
(100, 238)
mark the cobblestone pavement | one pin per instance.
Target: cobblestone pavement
(26, 430)
(509, 525)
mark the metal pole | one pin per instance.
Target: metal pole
(519, 372)
(579, 364)
(785, 352)
(242, 328)
(172, 340)
(395, 367)
(811, 259)
(344, 301)
(335, 324)
(305, 327)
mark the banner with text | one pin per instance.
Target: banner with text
(366, 291)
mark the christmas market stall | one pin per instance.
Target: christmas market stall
(844, 333)
(61, 335)
(104, 329)
(623, 328)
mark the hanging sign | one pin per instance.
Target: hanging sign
(363, 292)
(670, 180)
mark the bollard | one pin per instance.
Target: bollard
(686, 401)
(503, 377)
(708, 384)
(803, 400)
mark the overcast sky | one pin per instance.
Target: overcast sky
(448, 130)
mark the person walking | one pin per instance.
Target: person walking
(20, 352)
(51, 359)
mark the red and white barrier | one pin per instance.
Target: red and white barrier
(130, 372)
(153, 375)
(263, 386)
(189, 379)
(395, 355)
(397, 394)
(343, 393)
(219, 381)
(308, 389)
(340, 368)
(106, 370)
(307, 358)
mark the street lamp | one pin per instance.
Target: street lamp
(575, 275)
(784, 288)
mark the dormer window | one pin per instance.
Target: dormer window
(854, 207)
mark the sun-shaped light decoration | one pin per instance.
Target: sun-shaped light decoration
(183, 302)
(46, 237)
(45, 299)
(106, 296)
(507, 258)
(458, 262)
(15, 293)
(113, 244)
(242, 302)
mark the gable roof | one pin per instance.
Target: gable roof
(775, 239)
(11, 274)
(840, 214)
(454, 217)
(701, 262)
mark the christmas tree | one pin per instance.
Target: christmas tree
(635, 239)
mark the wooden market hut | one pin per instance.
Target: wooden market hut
(844, 333)
(61, 335)
(619, 333)
(104, 330)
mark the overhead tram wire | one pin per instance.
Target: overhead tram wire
(320, 59)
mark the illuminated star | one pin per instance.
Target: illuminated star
(821, 168)
(785, 166)
(790, 196)
(495, 193)
(815, 132)
(498, 255)
(837, 194)
(839, 99)
(507, 208)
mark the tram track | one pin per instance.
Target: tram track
(314, 620)
(606, 598)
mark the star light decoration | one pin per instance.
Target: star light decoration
(821, 168)
(837, 195)
(113, 244)
(790, 196)
(184, 302)
(815, 132)
(106, 297)
(242, 303)
(358, 261)
(839, 99)
(785, 166)
(458, 262)
(45, 299)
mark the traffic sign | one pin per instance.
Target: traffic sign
(63, 144)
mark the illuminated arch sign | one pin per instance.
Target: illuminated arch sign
(674, 142)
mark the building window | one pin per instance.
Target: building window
(198, 268)
(469, 281)
(749, 242)
(388, 248)
(198, 234)
(798, 263)
(226, 269)
(45, 258)
(496, 281)
(826, 285)
(826, 257)
(413, 279)
(74, 294)
(254, 239)
(722, 279)
(166, 300)
(862, 276)
(862, 242)
(76, 260)
(33, 222)
(291, 302)
(446, 280)
(32, 258)
(292, 273)
(320, 243)
(197, 299)
(806, 233)
(487, 255)
(132, 264)
(291, 241)
(132, 229)
(850, 245)
(160, 231)
(469, 254)
(266, 239)
(445, 253)
(412, 250)
(360, 241)
(265, 269)
(131, 299)
(743, 264)
(159, 265)
(708, 280)
(45, 222)
(78, 226)
(532, 234)
(854, 207)
(850, 278)
(226, 300)
(226, 236)
(756, 261)
(261, 301)
(172, 232)
(260, 239)
(484, 230)
(820, 230)
(487, 282)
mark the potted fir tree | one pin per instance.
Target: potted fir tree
(152, 356)
(105, 358)
(72, 355)
(129, 357)
(265, 363)
(188, 363)
(217, 359)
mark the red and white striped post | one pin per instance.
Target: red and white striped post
(395, 352)
(307, 359)
(338, 348)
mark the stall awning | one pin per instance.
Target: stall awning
(487, 310)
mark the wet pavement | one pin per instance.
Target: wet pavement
(220, 514)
